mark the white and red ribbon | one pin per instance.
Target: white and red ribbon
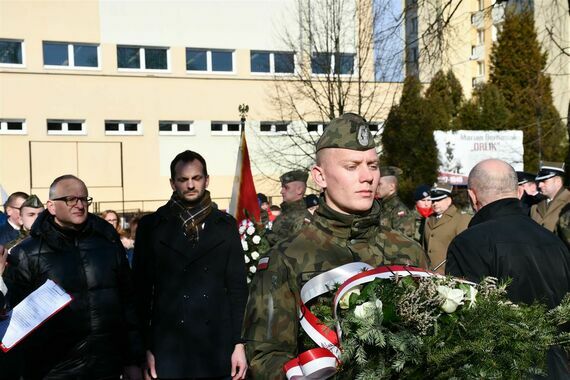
(321, 362)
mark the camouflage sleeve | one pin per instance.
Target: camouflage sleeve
(403, 220)
(563, 226)
(270, 323)
(400, 249)
(278, 231)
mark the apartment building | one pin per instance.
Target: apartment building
(112, 90)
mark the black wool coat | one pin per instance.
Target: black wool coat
(190, 296)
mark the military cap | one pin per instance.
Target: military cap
(440, 191)
(549, 170)
(524, 177)
(350, 131)
(262, 198)
(421, 192)
(390, 171)
(33, 201)
(295, 175)
(311, 200)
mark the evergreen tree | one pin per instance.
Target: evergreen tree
(486, 110)
(408, 142)
(445, 96)
(517, 68)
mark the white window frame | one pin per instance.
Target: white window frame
(121, 131)
(71, 56)
(209, 62)
(481, 68)
(333, 62)
(224, 131)
(4, 127)
(22, 48)
(480, 37)
(273, 131)
(175, 131)
(64, 127)
(320, 128)
(272, 63)
(142, 58)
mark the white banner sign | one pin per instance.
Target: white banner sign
(460, 151)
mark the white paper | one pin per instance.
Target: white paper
(41, 304)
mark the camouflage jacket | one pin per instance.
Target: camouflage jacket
(395, 215)
(271, 326)
(294, 215)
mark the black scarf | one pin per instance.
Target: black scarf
(192, 215)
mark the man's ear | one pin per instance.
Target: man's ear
(172, 185)
(51, 207)
(520, 192)
(319, 177)
(473, 198)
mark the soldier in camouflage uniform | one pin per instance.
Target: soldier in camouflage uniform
(294, 213)
(345, 229)
(29, 212)
(393, 212)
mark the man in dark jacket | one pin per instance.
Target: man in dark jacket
(96, 336)
(11, 229)
(191, 281)
(503, 242)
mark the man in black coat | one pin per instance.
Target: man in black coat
(503, 242)
(191, 281)
(97, 335)
(11, 229)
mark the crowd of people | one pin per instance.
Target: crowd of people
(184, 310)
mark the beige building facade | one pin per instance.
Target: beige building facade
(111, 91)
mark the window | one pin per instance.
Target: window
(11, 53)
(123, 127)
(274, 127)
(66, 127)
(225, 127)
(173, 128)
(316, 127)
(481, 68)
(143, 58)
(219, 61)
(272, 62)
(414, 25)
(480, 37)
(323, 63)
(481, 5)
(13, 127)
(71, 55)
(413, 54)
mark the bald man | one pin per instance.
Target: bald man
(503, 242)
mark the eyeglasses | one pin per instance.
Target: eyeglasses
(72, 201)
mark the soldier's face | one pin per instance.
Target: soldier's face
(292, 191)
(190, 182)
(441, 206)
(550, 186)
(424, 203)
(28, 216)
(385, 187)
(348, 177)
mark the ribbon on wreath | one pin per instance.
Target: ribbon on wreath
(321, 362)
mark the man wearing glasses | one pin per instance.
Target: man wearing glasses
(96, 336)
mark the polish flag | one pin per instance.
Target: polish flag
(244, 196)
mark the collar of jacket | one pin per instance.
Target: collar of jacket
(295, 205)
(559, 193)
(346, 226)
(497, 209)
(45, 227)
(388, 199)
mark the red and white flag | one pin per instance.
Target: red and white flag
(244, 196)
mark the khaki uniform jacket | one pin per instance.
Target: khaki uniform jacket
(271, 323)
(440, 232)
(547, 214)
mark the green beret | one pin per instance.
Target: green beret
(350, 131)
(295, 175)
(33, 201)
(390, 171)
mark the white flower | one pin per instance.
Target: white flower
(248, 280)
(249, 223)
(255, 255)
(250, 230)
(241, 229)
(256, 239)
(243, 222)
(252, 269)
(244, 245)
(452, 298)
(247, 260)
(366, 310)
(471, 296)
(344, 301)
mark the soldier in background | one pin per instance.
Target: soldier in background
(441, 227)
(422, 210)
(312, 203)
(550, 180)
(294, 212)
(345, 229)
(29, 211)
(393, 212)
(528, 191)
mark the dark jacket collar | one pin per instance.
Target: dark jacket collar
(346, 226)
(295, 205)
(497, 209)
